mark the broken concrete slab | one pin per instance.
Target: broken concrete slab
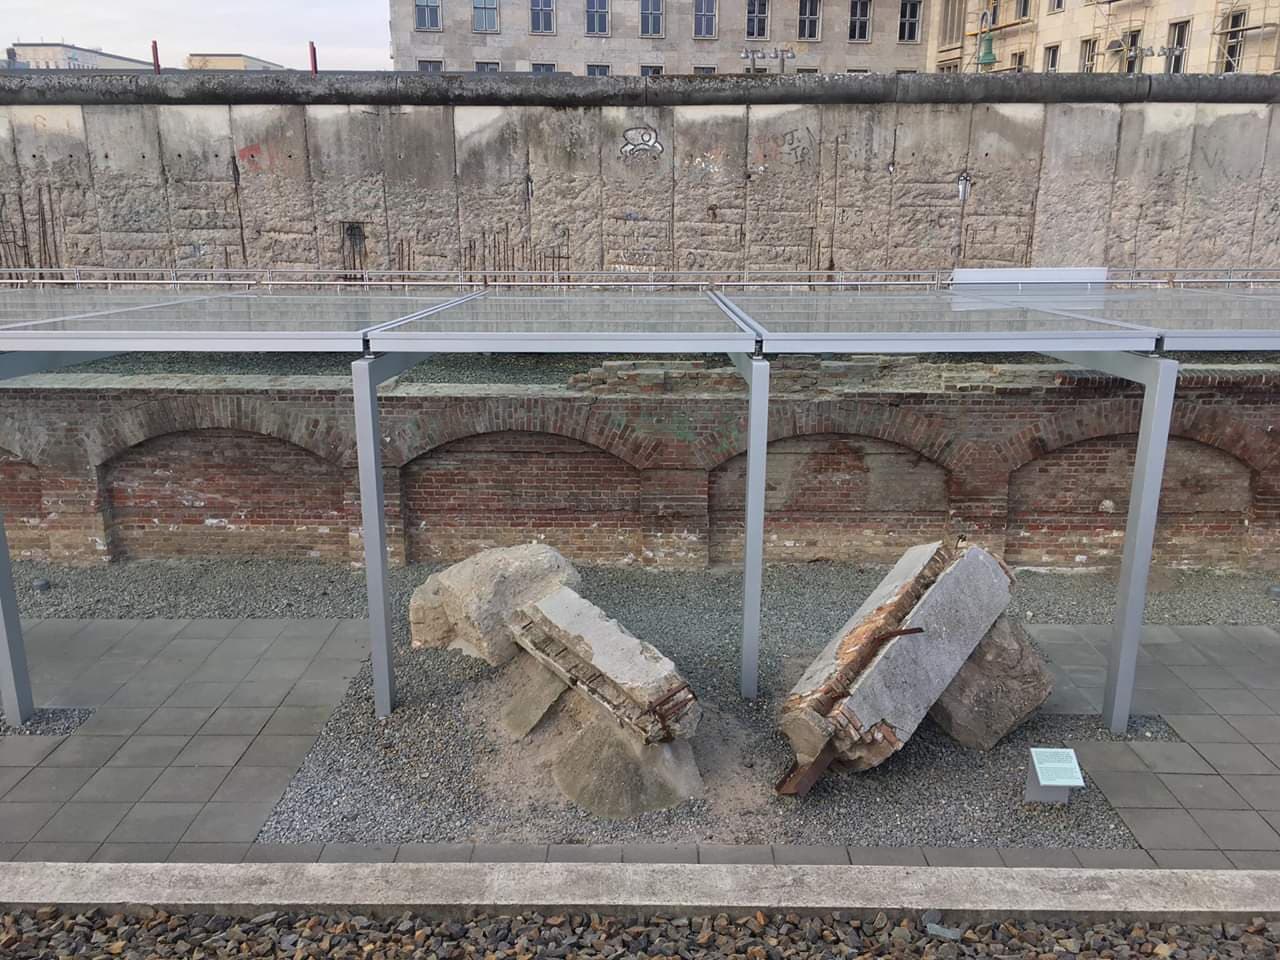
(996, 690)
(866, 693)
(471, 605)
(536, 692)
(610, 773)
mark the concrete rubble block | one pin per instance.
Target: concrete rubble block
(612, 774)
(474, 605)
(536, 692)
(998, 687)
(629, 678)
(868, 690)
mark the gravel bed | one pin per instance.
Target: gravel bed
(49, 933)
(47, 722)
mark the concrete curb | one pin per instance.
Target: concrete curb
(962, 894)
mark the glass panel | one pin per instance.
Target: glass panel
(860, 19)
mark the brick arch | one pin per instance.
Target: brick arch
(20, 442)
(22, 505)
(105, 440)
(928, 437)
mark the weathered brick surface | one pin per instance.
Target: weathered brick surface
(1031, 463)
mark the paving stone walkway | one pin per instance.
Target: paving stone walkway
(199, 726)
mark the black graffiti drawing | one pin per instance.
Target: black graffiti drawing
(638, 141)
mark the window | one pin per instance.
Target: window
(1018, 61)
(1175, 55)
(1056, 6)
(650, 70)
(757, 19)
(597, 69)
(704, 71)
(542, 16)
(431, 66)
(810, 19)
(858, 70)
(704, 19)
(650, 18)
(1233, 42)
(995, 12)
(951, 66)
(1088, 54)
(756, 70)
(484, 16)
(426, 14)
(1024, 9)
(1051, 59)
(859, 19)
(903, 72)
(952, 26)
(1133, 51)
(486, 66)
(806, 69)
(544, 68)
(909, 21)
(597, 18)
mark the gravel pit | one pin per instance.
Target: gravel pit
(47, 722)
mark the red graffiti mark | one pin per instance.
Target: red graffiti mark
(251, 157)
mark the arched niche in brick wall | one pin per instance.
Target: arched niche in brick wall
(1069, 507)
(223, 492)
(510, 487)
(832, 496)
(21, 505)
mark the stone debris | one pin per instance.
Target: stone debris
(868, 690)
(472, 604)
(537, 692)
(1000, 685)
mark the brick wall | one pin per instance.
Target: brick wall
(1033, 463)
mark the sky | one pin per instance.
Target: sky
(349, 34)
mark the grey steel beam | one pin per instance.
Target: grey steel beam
(366, 374)
(15, 680)
(1159, 378)
(755, 370)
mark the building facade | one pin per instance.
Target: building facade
(1121, 36)
(649, 37)
(229, 61)
(67, 56)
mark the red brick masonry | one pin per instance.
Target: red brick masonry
(97, 467)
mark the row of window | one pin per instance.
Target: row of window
(542, 18)
(603, 69)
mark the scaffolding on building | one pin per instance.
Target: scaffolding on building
(1119, 28)
(1013, 26)
(1246, 37)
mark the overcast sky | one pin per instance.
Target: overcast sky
(349, 34)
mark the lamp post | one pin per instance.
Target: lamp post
(781, 54)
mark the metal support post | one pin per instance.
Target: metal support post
(1159, 378)
(366, 374)
(15, 680)
(756, 372)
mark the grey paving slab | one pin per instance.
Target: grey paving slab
(338, 647)
(1260, 791)
(1126, 788)
(1076, 654)
(82, 822)
(1255, 635)
(267, 629)
(49, 784)
(242, 648)
(1090, 676)
(259, 693)
(133, 852)
(358, 853)
(1177, 655)
(1056, 633)
(141, 644)
(283, 852)
(192, 694)
(1101, 755)
(19, 822)
(115, 721)
(1119, 859)
(330, 670)
(107, 629)
(81, 693)
(210, 627)
(1257, 729)
(584, 853)
(309, 626)
(174, 721)
(887, 856)
(1228, 758)
(208, 852)
(147, 750)
(1271, 751)
(139, 693)
(295, 721)
(659, 853)
(297, 647)
(434, 853)
(223, 670)
(233, 721)
(1204, 729)
(735, 853)
(1270, 697)
(42, 852)
(1165, 829)
(1255, 859)
(1153, 634)
(275, 751)
(1037, 857)
(123, 784)
(244, 783)
(1239, 701)
(1156, 676)
(9, 778)
(186, 784)
(1265, 677)
(155, 823)
(809, 854)
(55, 628)
(213, 751)
(1203, 791)
(158, 627)
(1210, 677)
(82, 750)
(9, 850)
(509, 853)
(230, 822)
(189, 649)
(962, 857)
(1180, 700)
(1192, 859)
(315, 693)
(290, 669)
(354, 631)
(1162, 756)
(1237, 829)
(111, 671)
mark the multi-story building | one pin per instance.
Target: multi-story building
(1106, 36)
(649, 37)
(229, 61)
(67, 56)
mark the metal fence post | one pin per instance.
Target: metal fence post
(15, 681)
(753, 537)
